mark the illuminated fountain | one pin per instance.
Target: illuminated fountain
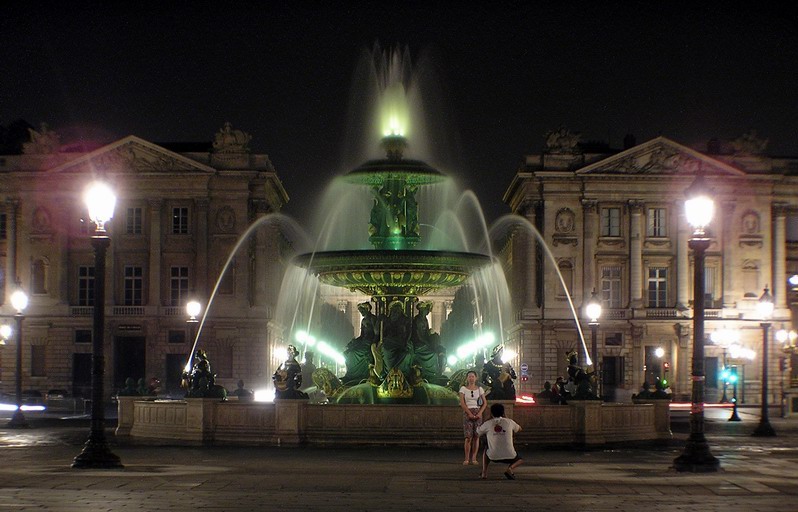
(410, 241)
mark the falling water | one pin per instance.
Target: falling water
(288, 225)
(511, 221)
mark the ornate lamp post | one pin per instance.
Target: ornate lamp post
(193, 309)
(724, 338)
(699, 209)
(593, 311)
(765, 309)
(100, 201)
(19, 301)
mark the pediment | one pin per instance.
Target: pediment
(660, 156)
(132, 155)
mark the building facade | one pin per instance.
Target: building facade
(612, 221)
(181, 211)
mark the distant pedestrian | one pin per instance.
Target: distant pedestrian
(499, 431)
(473, 403)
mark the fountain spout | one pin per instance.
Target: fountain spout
(394, 146)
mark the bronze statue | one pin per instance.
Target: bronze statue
(200, 382)
(580, 382)
(499, 376)
(428, 354)
(288, 377)
(358, 353)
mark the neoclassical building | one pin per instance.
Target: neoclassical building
(180, 211)
(613, 221)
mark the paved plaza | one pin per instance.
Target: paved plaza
(758, 474)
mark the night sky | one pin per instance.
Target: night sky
(508, 73)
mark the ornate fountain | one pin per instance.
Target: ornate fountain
(405, 359)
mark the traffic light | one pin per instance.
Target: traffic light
(725, 375)
(666, 365)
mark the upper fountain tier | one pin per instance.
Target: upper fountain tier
(393, 268)
(394, 167)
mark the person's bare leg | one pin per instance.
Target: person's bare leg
(474, 449)
(485, 462)
(467, 450)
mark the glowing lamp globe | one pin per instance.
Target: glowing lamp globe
(19, 301)
(193, 309)
(593, 309)
(101, 201)
(765, 305)
(699, 208)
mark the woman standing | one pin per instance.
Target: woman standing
(473, 403)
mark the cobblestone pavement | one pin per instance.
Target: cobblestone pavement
(758, 474)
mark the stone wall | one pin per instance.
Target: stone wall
(293, 422)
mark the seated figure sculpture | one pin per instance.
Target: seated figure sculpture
(358, 352)
(428, 354)
(396, 344)
(288, 377)
(200, 382)
(580, 382)
(499, 376)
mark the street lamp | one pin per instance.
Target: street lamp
(593, 311)
(193, 309)
(19, 301)
(100, 200)
(699, 209)
(765, 310)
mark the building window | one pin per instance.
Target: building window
(37, 361)
(133, 221)
(566, 269)
(227, 283)
(657, 287)
(178, 286)
(710, 282)
(656, 223)
(38, 277)
(177, 336)
(613, 339)
(611, 287)
(610, 222)
(134, 286)
(180, 221)
(3, 226)
(85, 286)
(83, 336)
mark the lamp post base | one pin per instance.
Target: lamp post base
(96, 456)
(734, 416)
(764, 429)
(18, 420)
(696, 457)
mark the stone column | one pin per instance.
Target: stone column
(590, 223)
(201, 243)
(262, 255)
(636, 254)
(12, 210)
(779, 255)
(682, 263)
(529, 211)
(729, 253)
(155, 252)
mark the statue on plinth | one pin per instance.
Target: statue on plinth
(200, 382)
(580, 383)
(499, 376)
(288, 377)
